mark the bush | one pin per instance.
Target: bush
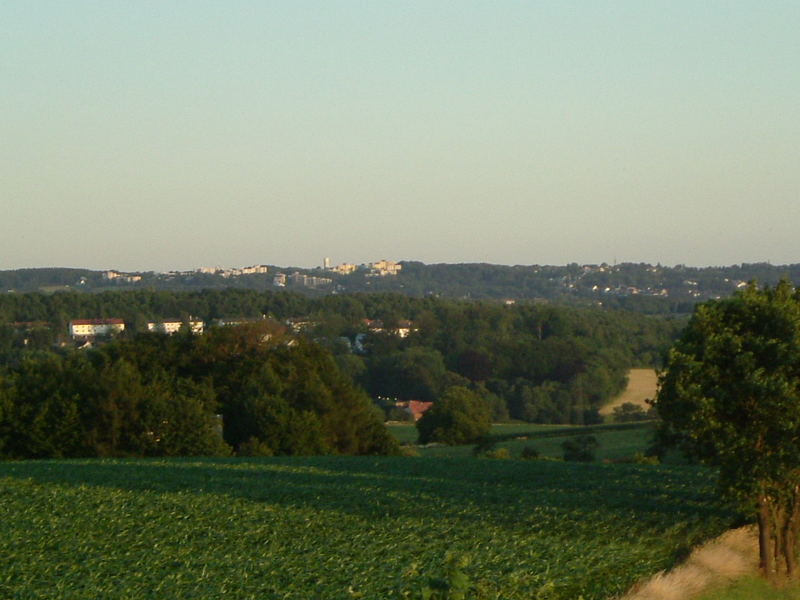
(530, 453)
(408, 451)
(581, 448)
(484, 445)
(629, 412)
(499, 453)
(254, 447)
(643, 459)
(638, 459)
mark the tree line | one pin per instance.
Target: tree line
(631, 286)
(249, 390)
(529, 361)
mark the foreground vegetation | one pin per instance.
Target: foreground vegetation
(752, 588)
(343, 527)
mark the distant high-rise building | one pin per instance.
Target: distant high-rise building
(326, 264)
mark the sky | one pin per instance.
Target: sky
(156, 135)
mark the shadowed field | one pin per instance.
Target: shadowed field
(342, 527)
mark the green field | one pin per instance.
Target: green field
(616, 441)
(342, 527)
(406, 433)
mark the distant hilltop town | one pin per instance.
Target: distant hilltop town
(280, 278)
(238, 272)
(634, 286)
(382, 268)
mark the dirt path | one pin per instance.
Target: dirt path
(731, 555)
(641, 386)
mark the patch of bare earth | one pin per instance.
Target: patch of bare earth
(642, 384)
(720, 561)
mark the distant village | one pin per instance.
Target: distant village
(381, 268)
(89, 329)
(653, 287)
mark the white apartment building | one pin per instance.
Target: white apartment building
(81, 328)
(170, 326)
(383, 268)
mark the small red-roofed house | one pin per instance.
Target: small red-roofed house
(415, 407)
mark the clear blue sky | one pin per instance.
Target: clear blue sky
(161, 134)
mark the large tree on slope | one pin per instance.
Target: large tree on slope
(730, 396)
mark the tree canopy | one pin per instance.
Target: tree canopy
(459, 417)
(730, 396)
(534, 362)
(158, 395)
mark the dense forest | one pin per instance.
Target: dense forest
(248, 389)
(528, 361)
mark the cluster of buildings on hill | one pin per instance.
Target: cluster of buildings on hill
(121, 277)
(118, 277)
(82, 329)
(402, 329)
(254, 270)
(90, 328)
(382, 268)
(301, 279)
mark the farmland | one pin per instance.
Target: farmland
(342, 527)
(642, 385)
(616, 441)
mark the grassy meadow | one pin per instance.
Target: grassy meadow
(616, 441)
(343, 527)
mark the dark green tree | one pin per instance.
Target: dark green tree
(581, 448)
(628, 411)
(730, 396)
(460, 416)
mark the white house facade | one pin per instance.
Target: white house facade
(81, 328)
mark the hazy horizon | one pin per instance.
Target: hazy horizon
(174, 135)
(295, 265)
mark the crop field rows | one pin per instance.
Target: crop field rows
(342, 527)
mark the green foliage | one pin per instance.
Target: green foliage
(408, 451)
(628, 412)
(531, 362)
(336, 527)
(639, 458)
(459, 417)
(84, 405)
(731, 397)
(415, 373)
(529, 453)
(581, 448)
(454, 585)
(498, 453)
(155, 395)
